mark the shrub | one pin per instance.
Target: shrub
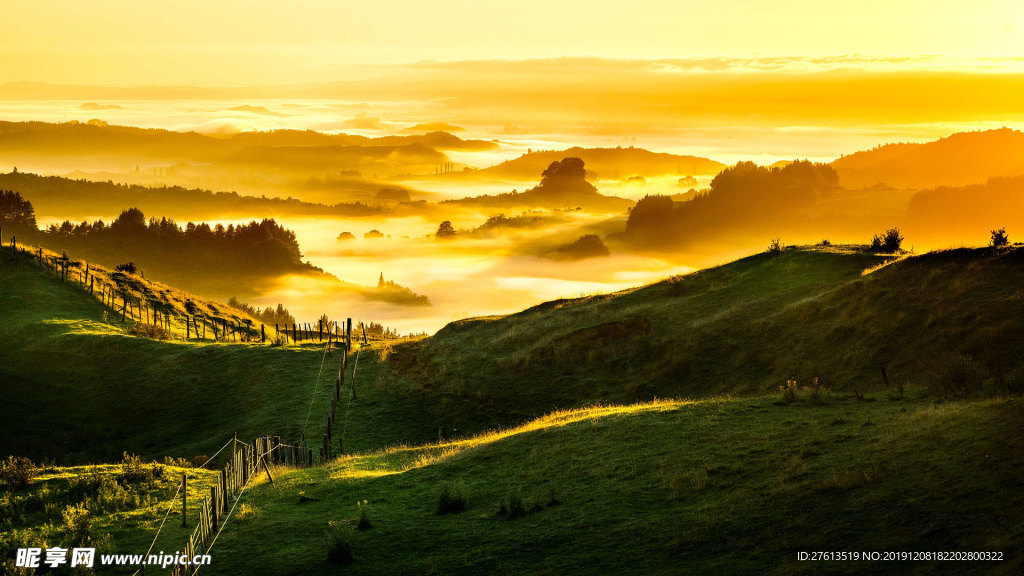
(127, 268)
(364, 522)
(77, 523)
(248, 513)
(826, 242)
(17, 472)
(176, 461)
(451, 500)
(133, 470)
(816, 390)
(111, 497)
(512, 506)
(776, 246)
(999, 238)
(888, 242)
(789, 390)
(958, 376)
(340, 540)
(143, 330)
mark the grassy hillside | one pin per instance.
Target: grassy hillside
(737, 480)
(742, 328)
(78, 386)
(722, 486)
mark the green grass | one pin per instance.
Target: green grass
(733, 486)
(78, 388)
(736, 481)
(124, 514)
(742, 328)
(723, 485)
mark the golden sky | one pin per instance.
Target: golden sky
(265, 42)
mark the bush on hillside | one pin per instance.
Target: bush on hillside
(133, 469)
(451, 500)
(999, 238)
(512, 506)
(127, 268)
(17, 472)
(888, 242)
(77, 523)
(958, 376)
(364, 522)
(340, 542)
(143, 330)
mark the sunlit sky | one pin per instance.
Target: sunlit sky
(732, 80)
(272, 42)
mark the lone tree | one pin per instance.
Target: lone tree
(999, 238)
(445, 230)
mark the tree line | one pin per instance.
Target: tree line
(256, 247)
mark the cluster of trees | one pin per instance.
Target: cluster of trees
(17, 216)
(563, 184)
(566, 175)
(53, 194)
(586, 246)
(270, 315)
(375, 330)
(756, 199)
(395, 293)
(254, 248)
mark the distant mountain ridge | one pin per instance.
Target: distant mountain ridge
(72, 136)
(956, 160)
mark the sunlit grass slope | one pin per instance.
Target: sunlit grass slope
(746, 327)
(123, 512)
(78, 387)
(734, 486)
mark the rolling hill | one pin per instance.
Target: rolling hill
(741, 328)
(957, 160)
(613, 163)
(80, 386)
(647, 423)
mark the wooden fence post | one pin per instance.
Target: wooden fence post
(184, 499)
(263, 334)
(215, 506)
(348, 333)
